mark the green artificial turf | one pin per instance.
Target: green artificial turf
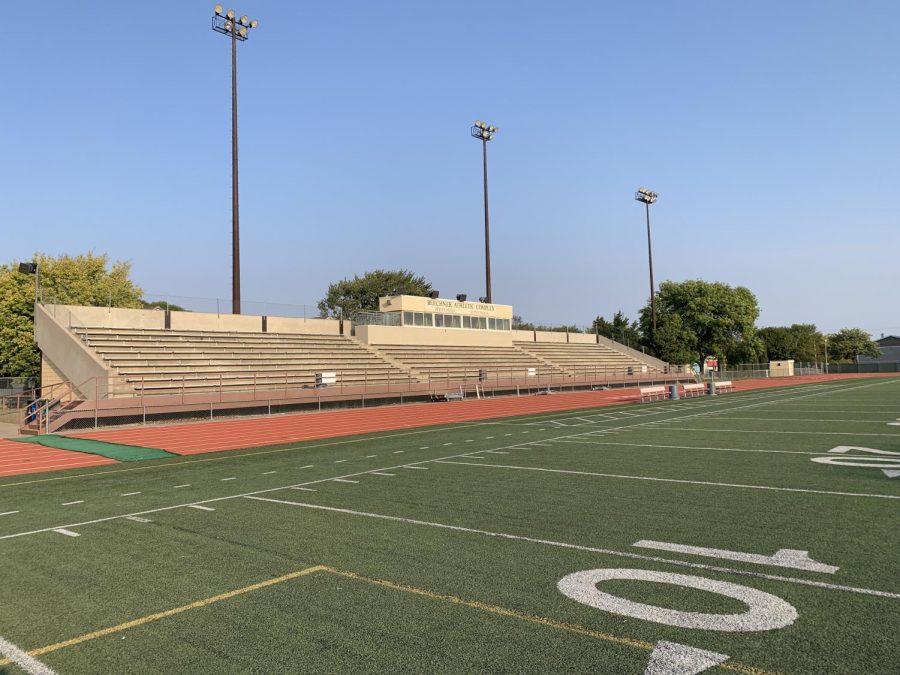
(497, 514)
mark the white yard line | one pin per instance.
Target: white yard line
(199, 507)
(229, 478)
(670, 480)
(575, 441)
(80, 501)
(382, 473)
(268, 473)
(344, 480)
(27, 663)
(577, 547)
(129, 494)
(8, 513)
(15, 535)
(68, 533)
(178, 487)
(809, 420)
(772, 431)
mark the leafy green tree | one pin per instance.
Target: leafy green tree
(800, 341)
(361, 293)
(697, 318)
(162, 304)
(519, 324)
(619, 329)
(848, 343)
(72, 280)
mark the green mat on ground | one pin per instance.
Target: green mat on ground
(123, 453)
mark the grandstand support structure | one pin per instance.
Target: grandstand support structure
(103, 366)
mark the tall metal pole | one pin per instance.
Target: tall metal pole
(487, 227)
(235, 229)
(652, 286)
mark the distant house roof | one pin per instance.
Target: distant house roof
(889, 354)
(888, 341)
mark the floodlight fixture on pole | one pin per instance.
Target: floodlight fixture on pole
(35, 269)
(238, 28)
(485, 132)
(649, 197)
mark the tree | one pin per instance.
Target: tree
(619, 329)
(800, 341)
(71, 280)
(848, 343)
(361, 293)
(519, 324)
(162, 304)
(698, 318)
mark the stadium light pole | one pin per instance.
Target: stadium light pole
(225, 22)
(485, 132)
(35, 269)
(648, 197)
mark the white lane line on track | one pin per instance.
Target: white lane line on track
(80, 501)
(14, 535)
(578, 547)
(68, 533)
(26, 662)
(744, 396)
(671, 480)
(200, 507)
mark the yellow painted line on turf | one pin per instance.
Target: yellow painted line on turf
(93, 635)
(384, 583)
(523, 616)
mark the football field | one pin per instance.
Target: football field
(753, 532)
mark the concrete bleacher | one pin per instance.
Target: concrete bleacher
(587, 360)
(160, 361)
(435, 363)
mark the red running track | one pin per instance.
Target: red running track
(189, 439)
(20, 458)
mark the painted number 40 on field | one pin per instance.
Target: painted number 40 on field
(886, 460)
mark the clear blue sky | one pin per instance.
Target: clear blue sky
(769, 130)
